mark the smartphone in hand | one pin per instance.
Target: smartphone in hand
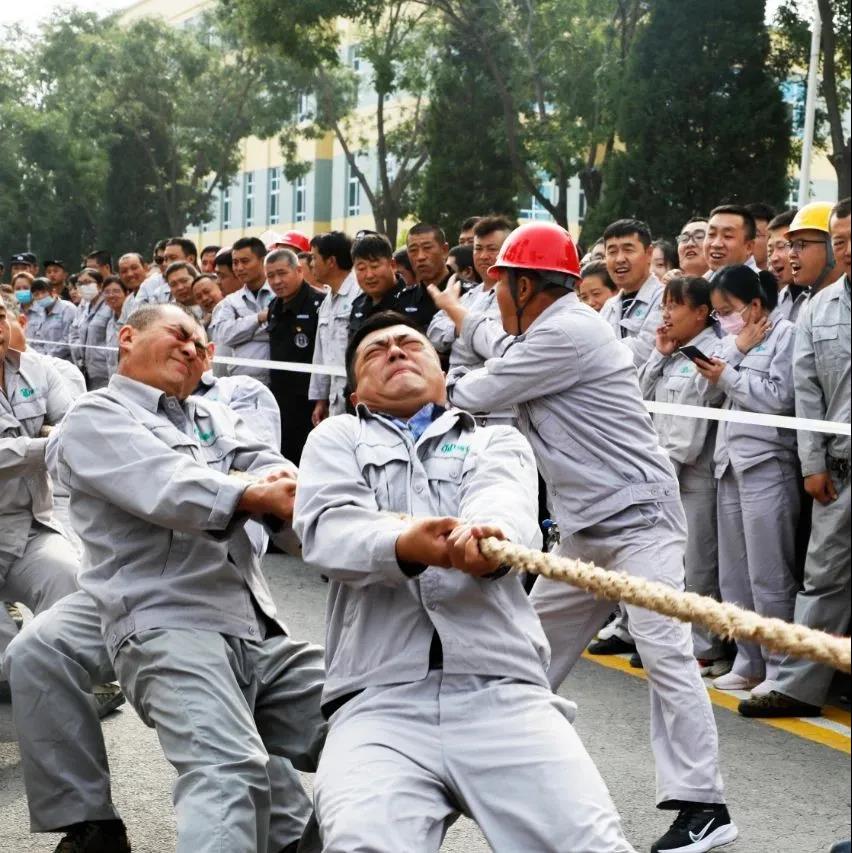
(694, 354)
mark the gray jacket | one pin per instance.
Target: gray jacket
(791, 306)
(89, 331)
(330, 346)
(759, 381)
(359, 473)
(234, 325)
(36, 396)
(638, 329)
(821, 374)
(690, 442)
(52, 325)
(250, 399)
(152, 501)
(575, 391)
(152, 291)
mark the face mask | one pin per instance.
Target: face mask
(733, 324)
(48, 302)
(88, 292)
(24, 297)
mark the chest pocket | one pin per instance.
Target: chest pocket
(677, 383)
(385, 469)
(828, 347)
(757, 360)
(30, 412)
(445, 474)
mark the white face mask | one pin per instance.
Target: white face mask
(88, 292)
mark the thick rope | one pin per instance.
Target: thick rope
(724, 620)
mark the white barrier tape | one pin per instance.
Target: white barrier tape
(756, 418)
(708, 414)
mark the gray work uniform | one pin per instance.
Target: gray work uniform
(790, 305)
(614, 494)
(234, 325)
(153, 291)
(490, 338)
(637, 330)
(690, 443)
(113, 325)
(37, 563)
(330, 344)
(821, 375)
(61, 654)
(184, 605)
(425, 666)
(53, 324)
(88, 336)
(758, 492)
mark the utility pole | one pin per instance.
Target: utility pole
(810, 110)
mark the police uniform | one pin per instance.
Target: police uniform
(690, 443)
(614, 495)
(52, 324)
(417, 305)
(37, 563)
(330, 345)
(430, 669)
(292, 335)
(363, 306)
(63, 652)
(184, 605)
(758, 493)
(821, 373)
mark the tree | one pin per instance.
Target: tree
(791, 51)
(555, 65)
(702, 121)
(469, 170)
(394, 59)
(123, 134)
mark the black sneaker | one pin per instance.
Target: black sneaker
(775, 704)
(95, 836)
(699, 827)
(636, 661)
(108, 697)
(610, 646)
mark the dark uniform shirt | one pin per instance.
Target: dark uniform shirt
(292, 334)
(416, 304)
(363, 307)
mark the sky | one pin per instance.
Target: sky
(32, 11)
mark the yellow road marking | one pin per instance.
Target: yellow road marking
(793, 725)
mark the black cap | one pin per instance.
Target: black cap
(55, 263)
(23, 258)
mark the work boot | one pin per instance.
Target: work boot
(610, 646)
(95, 836)
(775, 704)
(108, 697)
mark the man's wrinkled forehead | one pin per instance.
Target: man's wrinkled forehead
(175, 319)
(391, 334)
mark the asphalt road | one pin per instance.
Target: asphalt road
(786, 793)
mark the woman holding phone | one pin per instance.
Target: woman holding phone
(670, 376)
(758, 493)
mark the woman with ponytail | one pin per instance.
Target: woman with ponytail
(758, 493)
(670, 376)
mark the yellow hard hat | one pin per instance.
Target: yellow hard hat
(813, 216)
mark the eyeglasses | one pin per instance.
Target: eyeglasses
(798, 245)
(715, 316)
(691, 237)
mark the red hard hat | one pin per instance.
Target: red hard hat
(295, 239)
(538, 246)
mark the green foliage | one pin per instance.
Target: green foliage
(702, 120)
(119, 136)
(469, 170)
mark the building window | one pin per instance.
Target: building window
(581, 207)
(226, 208)
(300, 200)
(354, 57)
(303, 107)
(249, 200)
(353, 194)
(536, 210)
(274, 195)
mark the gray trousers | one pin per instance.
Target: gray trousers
(219, 706)
(52, 666)
(401, 762)
(646, 540)
(758, 510)
(701, 559)
(45, 573)
(824, 601)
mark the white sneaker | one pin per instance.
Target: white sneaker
(732, 681)
(764, 688)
